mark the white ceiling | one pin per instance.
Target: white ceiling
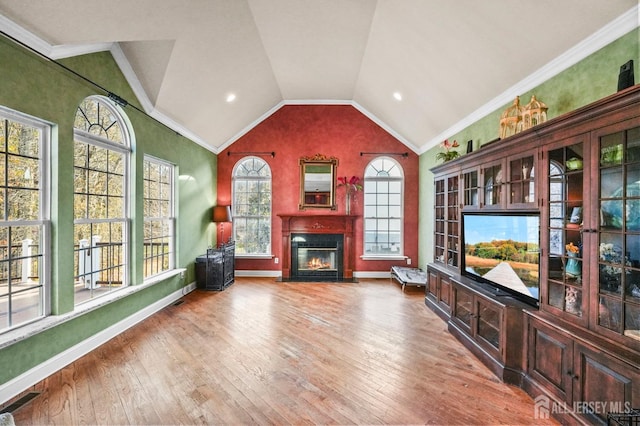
(453, 61)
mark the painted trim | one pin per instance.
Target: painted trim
(23, 36)
(29, 378)
(399, 257)
(372, 274)
(250, 126)
(277, 274)
(256, 273)
(71, 50)
(609, 33)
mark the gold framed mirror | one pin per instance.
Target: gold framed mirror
(318, 182)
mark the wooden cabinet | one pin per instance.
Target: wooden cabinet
(493, 183)
(490, 325)
(566, 190)
(591, 265)
(216, 269)
(521, 184)
(579, 372)
(615, 304)
(581, 173)
(447, 221)
(438, 292)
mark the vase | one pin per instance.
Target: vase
(347, 203)
(573, 266)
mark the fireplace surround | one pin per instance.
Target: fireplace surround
(317, 257)
(328, 238)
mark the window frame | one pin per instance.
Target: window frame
(387, 255)
(123, 148)
(43, 221)
(170, 219)
(237, 216)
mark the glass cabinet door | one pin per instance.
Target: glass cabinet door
(492, 183)
(446, 221)
(618, 247)
(521, 181)
(463, 306)
(453, 221)
(565, 187)
(471, 188)
(489, 323)
(439, 221)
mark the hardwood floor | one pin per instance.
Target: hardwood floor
(263, 352)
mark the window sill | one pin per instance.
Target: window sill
(383, 257)
(28, 330)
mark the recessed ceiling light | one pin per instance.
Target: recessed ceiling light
(397, 96)
(231, 97)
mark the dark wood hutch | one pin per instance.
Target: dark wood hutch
(581, 173)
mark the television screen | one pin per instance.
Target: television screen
(504, 249)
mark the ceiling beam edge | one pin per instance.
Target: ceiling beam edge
(24, 36)
(607, 34)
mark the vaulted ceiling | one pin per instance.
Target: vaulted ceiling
(450, 61)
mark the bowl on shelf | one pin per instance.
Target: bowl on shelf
(574, 164)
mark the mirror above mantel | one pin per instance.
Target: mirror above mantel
(318, 182)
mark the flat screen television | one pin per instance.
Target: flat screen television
(503, 249)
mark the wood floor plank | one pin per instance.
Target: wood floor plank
(263, 352)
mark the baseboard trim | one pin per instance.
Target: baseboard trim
(256, 273)
(19, 384)
(372, 274)
(276, 274)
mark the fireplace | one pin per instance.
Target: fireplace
(317, 257)
(328, 238)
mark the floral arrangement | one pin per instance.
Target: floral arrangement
(610, 255)
(448, 154)
(572, 249)
(351, 185)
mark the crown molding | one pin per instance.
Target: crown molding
(354, 104)
(250, 126)
(71, 50)
(607, 34)
(386, 127)
(23, 36)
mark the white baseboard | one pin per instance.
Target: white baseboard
(40, 372)
(276, 274)
(372, 274)
(250, 273)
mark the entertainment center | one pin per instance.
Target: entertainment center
(537, 257)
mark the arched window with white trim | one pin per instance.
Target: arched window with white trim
(383, 208)
(251, 194)
(100, 210)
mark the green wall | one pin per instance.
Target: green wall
(593, 78)
(35, 86)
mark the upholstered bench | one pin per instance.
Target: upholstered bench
(409, 276)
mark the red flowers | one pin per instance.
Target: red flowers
(351, 185)
(448, 145)
(448, 154)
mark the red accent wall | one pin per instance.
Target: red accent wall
(341, 131)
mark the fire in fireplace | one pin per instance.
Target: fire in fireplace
(317, 257)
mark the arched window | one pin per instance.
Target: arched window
(251, 194)
(383, 208)
(100, 211)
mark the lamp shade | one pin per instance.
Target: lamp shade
(222, 214)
